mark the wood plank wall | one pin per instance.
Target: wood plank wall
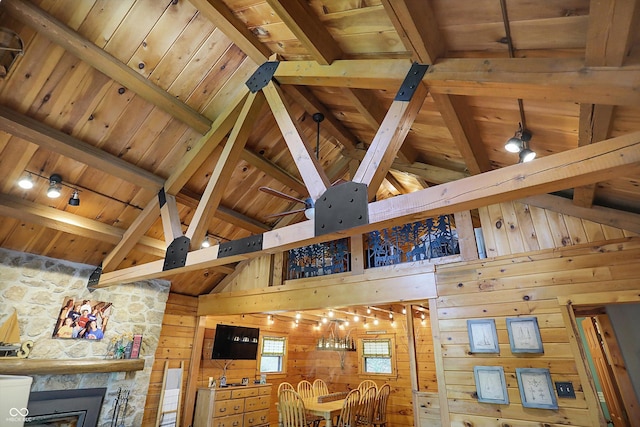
(306, 362)
(560, 260)
(175, 344)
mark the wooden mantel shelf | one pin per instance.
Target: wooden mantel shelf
(68, 366)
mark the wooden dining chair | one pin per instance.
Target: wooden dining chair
(380, 411)
(366, 407)
(320, 388)
(291, 408)
(305, 389)
(364, 385)
(285, 386)
(347, 417)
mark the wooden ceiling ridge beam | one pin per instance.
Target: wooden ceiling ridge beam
(224, 168)
(314, 177)
(273, 170)
(24, 210)
(29, 129)
(54, 30)
(549, 79)
(609, 36)
(592, 163)
(308, 29)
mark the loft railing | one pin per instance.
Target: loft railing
(421, 240)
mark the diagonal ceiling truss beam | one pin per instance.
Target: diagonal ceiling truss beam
(583, 165)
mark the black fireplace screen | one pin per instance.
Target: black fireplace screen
(73, 408)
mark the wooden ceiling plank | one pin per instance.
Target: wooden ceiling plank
(388, 140)
(303, 96)
(224, 168)
(274, 171)
(458, 118)
(416, 24)
(198, 154)
(59, 142)
(547, 79)
(608, 40)
(596, 162)
(130, 237)
(309, 167)
(170, 219)
(308, 29)
(598, 214)
(56, 219)
(218, 13)
(104, 62)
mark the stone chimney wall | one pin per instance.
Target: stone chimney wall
(37, 287)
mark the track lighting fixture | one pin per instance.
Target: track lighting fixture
(26, 182)
(74, 200)
(519, 143)
(55, 186)
(205, 243)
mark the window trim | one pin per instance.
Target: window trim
(392, 348)
(283, 337)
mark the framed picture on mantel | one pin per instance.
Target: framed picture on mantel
(82, 319)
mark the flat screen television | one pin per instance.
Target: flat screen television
(235, 343)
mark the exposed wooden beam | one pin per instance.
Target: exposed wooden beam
(608, 38)
(418, 29)
(583, 165)
(224, 167)
(15, 207)
(309, 167)
(388, 140)
(218, 13)
(548, 79)
(308, 29)
(102, 61)
(429, 173)
(303, 96)
(459, 120)
(274, 171)
(170, 219)
(612, 217)
(51, 139)
(235, 218)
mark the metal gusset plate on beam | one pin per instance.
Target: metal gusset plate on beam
(176, 255)
(341, 207)
(162, 197)
(94, 278)
(411, 82)
(262, 76)
(240, 246)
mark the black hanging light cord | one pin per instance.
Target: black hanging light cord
(318, 117)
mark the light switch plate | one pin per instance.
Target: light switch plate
(565, 389)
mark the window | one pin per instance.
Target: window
(377, 356)
(273, 354)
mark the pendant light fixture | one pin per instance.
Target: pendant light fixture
(55, 186)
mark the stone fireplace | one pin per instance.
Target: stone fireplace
(36, 286)
(77, 408)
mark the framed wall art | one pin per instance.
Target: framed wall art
(483, 337)
(536, 388)
(82, 318)
(491, 385)
(524, 335)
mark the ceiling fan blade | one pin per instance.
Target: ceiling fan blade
(281, 194)
(277, 215)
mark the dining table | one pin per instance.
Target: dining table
(326, 410)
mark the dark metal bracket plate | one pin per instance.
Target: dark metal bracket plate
(162, 197)
(94, 278)
(262, 76)
(176, 255)
(240, 246)
(341, 207)
(411, 82)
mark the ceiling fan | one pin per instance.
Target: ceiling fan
(308, 202)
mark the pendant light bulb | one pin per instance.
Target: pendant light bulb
(26, 182)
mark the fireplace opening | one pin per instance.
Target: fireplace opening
(65, 408)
